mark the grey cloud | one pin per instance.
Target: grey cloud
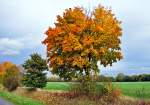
(13, 46)
(18, 18)
(10, 46)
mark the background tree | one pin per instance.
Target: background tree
(1, 72)
(79, 40)
(3, 67)
(120, 77)
(9, 75)
(35, 76)
(11, 78)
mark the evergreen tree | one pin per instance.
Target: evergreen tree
(35, 76)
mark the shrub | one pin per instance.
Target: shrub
(11, 78)
(3, 67)
(116, 93)
(84, 88)
(11, 83)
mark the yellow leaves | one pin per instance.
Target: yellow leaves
(67, 43)
(99, 12)
(102, 50)
(99, 29)
(91, 51)
(88, 23)
(56, 60)
(59, 61)
(52, 37)
(52, 32)
(74, 15)
(119, 55)
(83, 38)
(87, 40)
(117, 31)
(53, 61)
(6, 65)
(79, 61)
(1, 69)
(75, 28)
(106, 22)
(71, 43)
(78, 47)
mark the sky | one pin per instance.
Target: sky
(23, 23)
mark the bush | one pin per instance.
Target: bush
(84, 88)
(96, 91)
(3, 67)
(11, 78)
(11, 83)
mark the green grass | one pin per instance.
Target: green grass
(18, 100)
(133, 89)
(57, 86)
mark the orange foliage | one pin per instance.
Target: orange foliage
(4, 66)
(80, 41)
(1, 70)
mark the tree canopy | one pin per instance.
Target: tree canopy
(4, 66)
(9, 75)
(79, 40)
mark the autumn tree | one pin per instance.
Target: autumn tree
(9, 75)
(35, 77)
(79, 40)
(1, 72)
(3, 67)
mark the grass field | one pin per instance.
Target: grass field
(57, 86)
(133, 89)
(18, 100)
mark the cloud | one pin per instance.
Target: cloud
(10, 46)
(31, 40)
(32, 20)
(127, 67)
(13, 46)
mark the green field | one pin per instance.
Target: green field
(57, 86)
(133, 89)
(18, 100)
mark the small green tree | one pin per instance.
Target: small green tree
(35, 76)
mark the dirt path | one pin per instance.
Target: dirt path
(4, 102)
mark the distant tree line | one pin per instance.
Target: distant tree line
(119, 78)
(125, 78)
